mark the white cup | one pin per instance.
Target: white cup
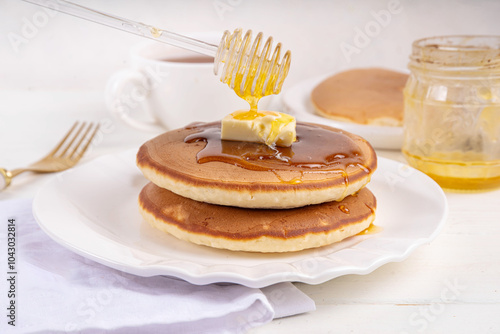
(167, 87)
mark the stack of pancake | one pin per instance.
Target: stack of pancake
(250, 197)
(371, 96)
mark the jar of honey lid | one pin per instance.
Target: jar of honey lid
(452, 111)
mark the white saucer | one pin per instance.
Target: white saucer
(297, 102)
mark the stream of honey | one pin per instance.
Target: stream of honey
(252, 81)
(309, 153)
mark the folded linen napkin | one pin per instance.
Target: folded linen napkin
(58, 291)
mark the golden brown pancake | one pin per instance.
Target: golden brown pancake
(256, 230)
(371, 96)
(325, 164)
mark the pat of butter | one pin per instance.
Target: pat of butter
(270, 127)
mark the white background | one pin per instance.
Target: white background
(58, 73)
(67, 53)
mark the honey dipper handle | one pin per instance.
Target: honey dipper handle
(133, 27)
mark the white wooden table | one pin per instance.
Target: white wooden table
(449, 286)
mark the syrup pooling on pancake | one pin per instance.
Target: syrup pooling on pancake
(170, 162)
(316, 150)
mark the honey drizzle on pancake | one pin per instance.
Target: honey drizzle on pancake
(308, 154)
(344, 209)
(372, 229)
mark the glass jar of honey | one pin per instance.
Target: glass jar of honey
(452, 111)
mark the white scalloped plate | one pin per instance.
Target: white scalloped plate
(92, 210)
(297, 102)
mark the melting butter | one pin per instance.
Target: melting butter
(269, 127)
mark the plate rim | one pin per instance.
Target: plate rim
(214, 276)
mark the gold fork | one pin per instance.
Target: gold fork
(65, 155)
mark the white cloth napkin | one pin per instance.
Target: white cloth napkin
(58, 291)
